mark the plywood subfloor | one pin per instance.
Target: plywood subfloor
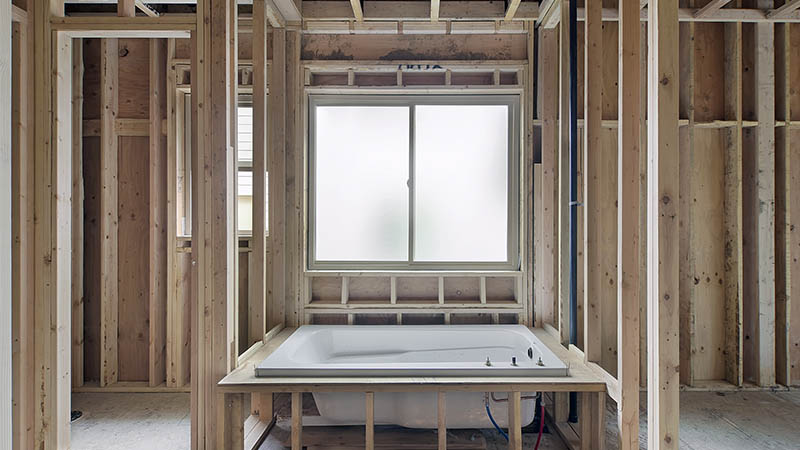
(131, 421)
(727, 421)
(709, 420)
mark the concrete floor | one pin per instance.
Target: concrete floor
(709, 420)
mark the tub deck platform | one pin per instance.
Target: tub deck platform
(581, 378)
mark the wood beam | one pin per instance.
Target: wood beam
(157, 289)
(358, 13)
(258, 270)
(593, 158)
(513, 5)
(109, 226)
(711, 7)
(434, 10)
(22, 209)
(146, 9)
(77, 215)
(52, 73)
(6, 228)
(126, 8)
(784, 11)
(628, 223)
(562, 204)
(765, 204)
(662, 230)
(213, 246)
(276, 291)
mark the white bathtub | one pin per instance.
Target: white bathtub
(412, 351)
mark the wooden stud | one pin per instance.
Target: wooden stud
(261, 404)
(297, 421)
(562, 202)
(628, 224)
(370, 421)
(514, 420)
(52, 73)
(733, 207)
(109, 225)
(789, 7)
(592, 154)
(7, 227)
(294, 178)
(77, 215)
(511, 11)
(157, 215)
(434, 10)
(276, 292)
(174, 317)
(22, 262)
(662, 229)
(126, 8)
(547, 257)
(441, 422)
(258, 268)
(358, 13)
(233, 427)
(765, 203)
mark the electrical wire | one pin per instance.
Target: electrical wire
(541, 426)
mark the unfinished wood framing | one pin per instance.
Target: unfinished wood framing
(76, 370)
(257, 320)
(7, 229)
(563, 199)
(662, 229)
(276, 293)
(628, 218)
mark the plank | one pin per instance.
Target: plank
(294, 180)
(628, 224)
(765, 216)
(369, 427)
(563, 199)
(514, 420)
(52, 73)
(297, 420)
(592, 154)
(126, 8)
(435, 4)
(662, 230)
(157, 226)
(734, 276)
(109, 225)
(358, 13)
(22, 276)
(710, 7)
(441, 415)
(76, 349)
(258, 270)
(7, 228)
(173, 318)
(276, 288)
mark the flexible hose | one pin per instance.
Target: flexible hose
(489, 413)
(541, 427)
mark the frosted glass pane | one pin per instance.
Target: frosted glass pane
(461, 183)
(361, 183)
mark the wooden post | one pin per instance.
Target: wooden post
(562, 200)
(441, 415)
(233, 426)
(628, 224)
(77, 214)
(514, 421)
(52, 72)
(109, 226)
(258, 271)
(22, 261)
(548, 256)
(369, 429)
(592, 154)
(662, 230)
(294, 179)
(157, 215)
(733, 206)
(213, 245)
(297, 421)
(765, 201)
(276, 292)
(6, 229)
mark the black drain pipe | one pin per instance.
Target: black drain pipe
(573, 191)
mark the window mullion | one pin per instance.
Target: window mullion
(411, 183)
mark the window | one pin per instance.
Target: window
(414, 181)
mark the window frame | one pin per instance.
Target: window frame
(513, 252)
